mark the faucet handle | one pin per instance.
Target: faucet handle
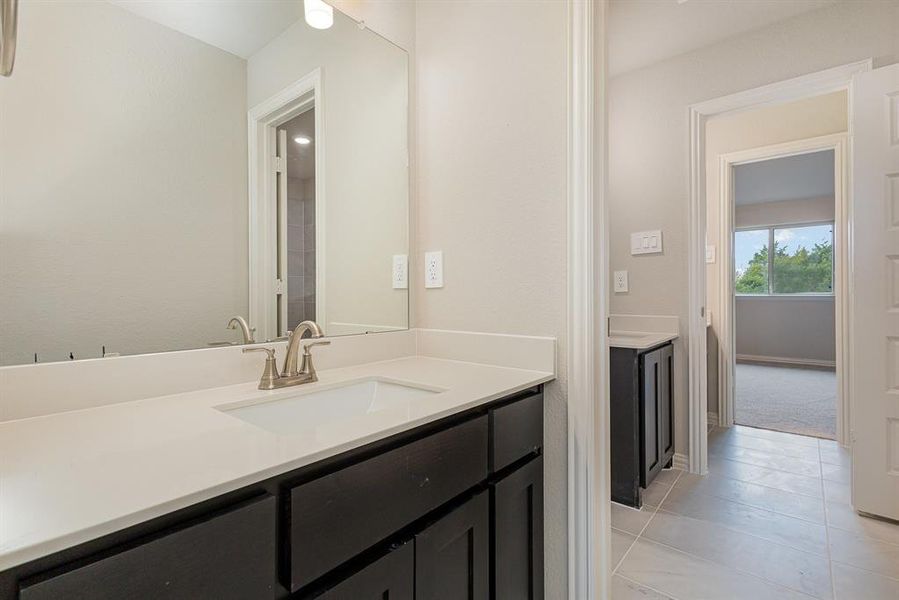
(270, 373)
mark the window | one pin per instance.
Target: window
(801, 261)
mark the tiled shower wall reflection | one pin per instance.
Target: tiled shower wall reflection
(300, 250)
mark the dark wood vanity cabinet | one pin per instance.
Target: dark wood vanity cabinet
(450, 510)
(642, 419)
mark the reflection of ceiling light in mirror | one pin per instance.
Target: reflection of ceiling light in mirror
(302, 140)
(318, 14)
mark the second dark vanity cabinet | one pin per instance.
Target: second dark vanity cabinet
(642, 419)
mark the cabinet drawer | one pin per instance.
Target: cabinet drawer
(339, 515)
(517, 430)
(229, 555)
(391, 576)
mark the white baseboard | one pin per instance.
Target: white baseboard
(680, 461)
(779, 360)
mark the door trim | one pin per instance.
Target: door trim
(821, 82)
(262, 121)
(839, 144)
(589, 483)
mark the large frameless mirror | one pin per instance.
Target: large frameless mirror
(189, 174)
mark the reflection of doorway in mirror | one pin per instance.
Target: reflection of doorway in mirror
(297, 220)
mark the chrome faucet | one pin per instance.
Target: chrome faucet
(245, 331)
(291, 375)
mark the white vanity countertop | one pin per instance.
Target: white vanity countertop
(71, 477)
(638, 340)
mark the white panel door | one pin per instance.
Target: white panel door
(874, 300)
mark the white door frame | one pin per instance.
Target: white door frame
(822, 82)
(839, 144)
(262, 121)
(589, 486)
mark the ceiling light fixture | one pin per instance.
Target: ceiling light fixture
(302, 140)
(318, 14)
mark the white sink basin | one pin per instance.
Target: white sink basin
(295, 410)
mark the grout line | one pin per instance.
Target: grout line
(741, 532)
(648, 587)
(735, 569)
(648, 521)
(833, 581)
(845, 564)
(770, 510)
(731, 458)
(769, 487)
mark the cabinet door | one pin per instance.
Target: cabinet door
(650, 457)
(391, 576)
(226, 555)
(666, 404)
(517, 560)
(452, 560)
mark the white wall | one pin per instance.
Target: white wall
(363, 183)
(110, 234)
(649, 184)
(491, 92)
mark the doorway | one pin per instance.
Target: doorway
(783, 294)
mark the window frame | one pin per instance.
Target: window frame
(770, 279)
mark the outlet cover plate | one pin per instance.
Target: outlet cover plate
(400, 272)
(620, 281)
(434, 269)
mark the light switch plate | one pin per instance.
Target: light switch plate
(620, 281)
(709, 253)
(434, 269)
(400, 272)
(646, 242)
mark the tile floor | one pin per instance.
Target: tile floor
(771, 520)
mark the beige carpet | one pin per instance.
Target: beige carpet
(802, 401)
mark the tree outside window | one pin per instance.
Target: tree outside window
(801, 261)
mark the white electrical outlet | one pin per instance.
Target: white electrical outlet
(400, 273)
(620, 281)
(709, 253)
(434, 269)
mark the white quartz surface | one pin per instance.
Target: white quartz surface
(638, 340)
(71, 477)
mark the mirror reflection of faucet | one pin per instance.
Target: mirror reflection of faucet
(245, 330)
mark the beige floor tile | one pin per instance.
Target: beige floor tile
(777, 436)
(668, 475)
(765, 445)
(621, 543)
(864, 553)
(843, 516)
(790, 531)
(625, 589)
(837, 492)
(656, 492)
(835, 473)
(800, 571)
(770, 460)
(838, 456)
(795, 505)
(788, 482)
(629, 519)
(686, 577)
(857, 584)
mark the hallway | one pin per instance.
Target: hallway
(772, 520)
